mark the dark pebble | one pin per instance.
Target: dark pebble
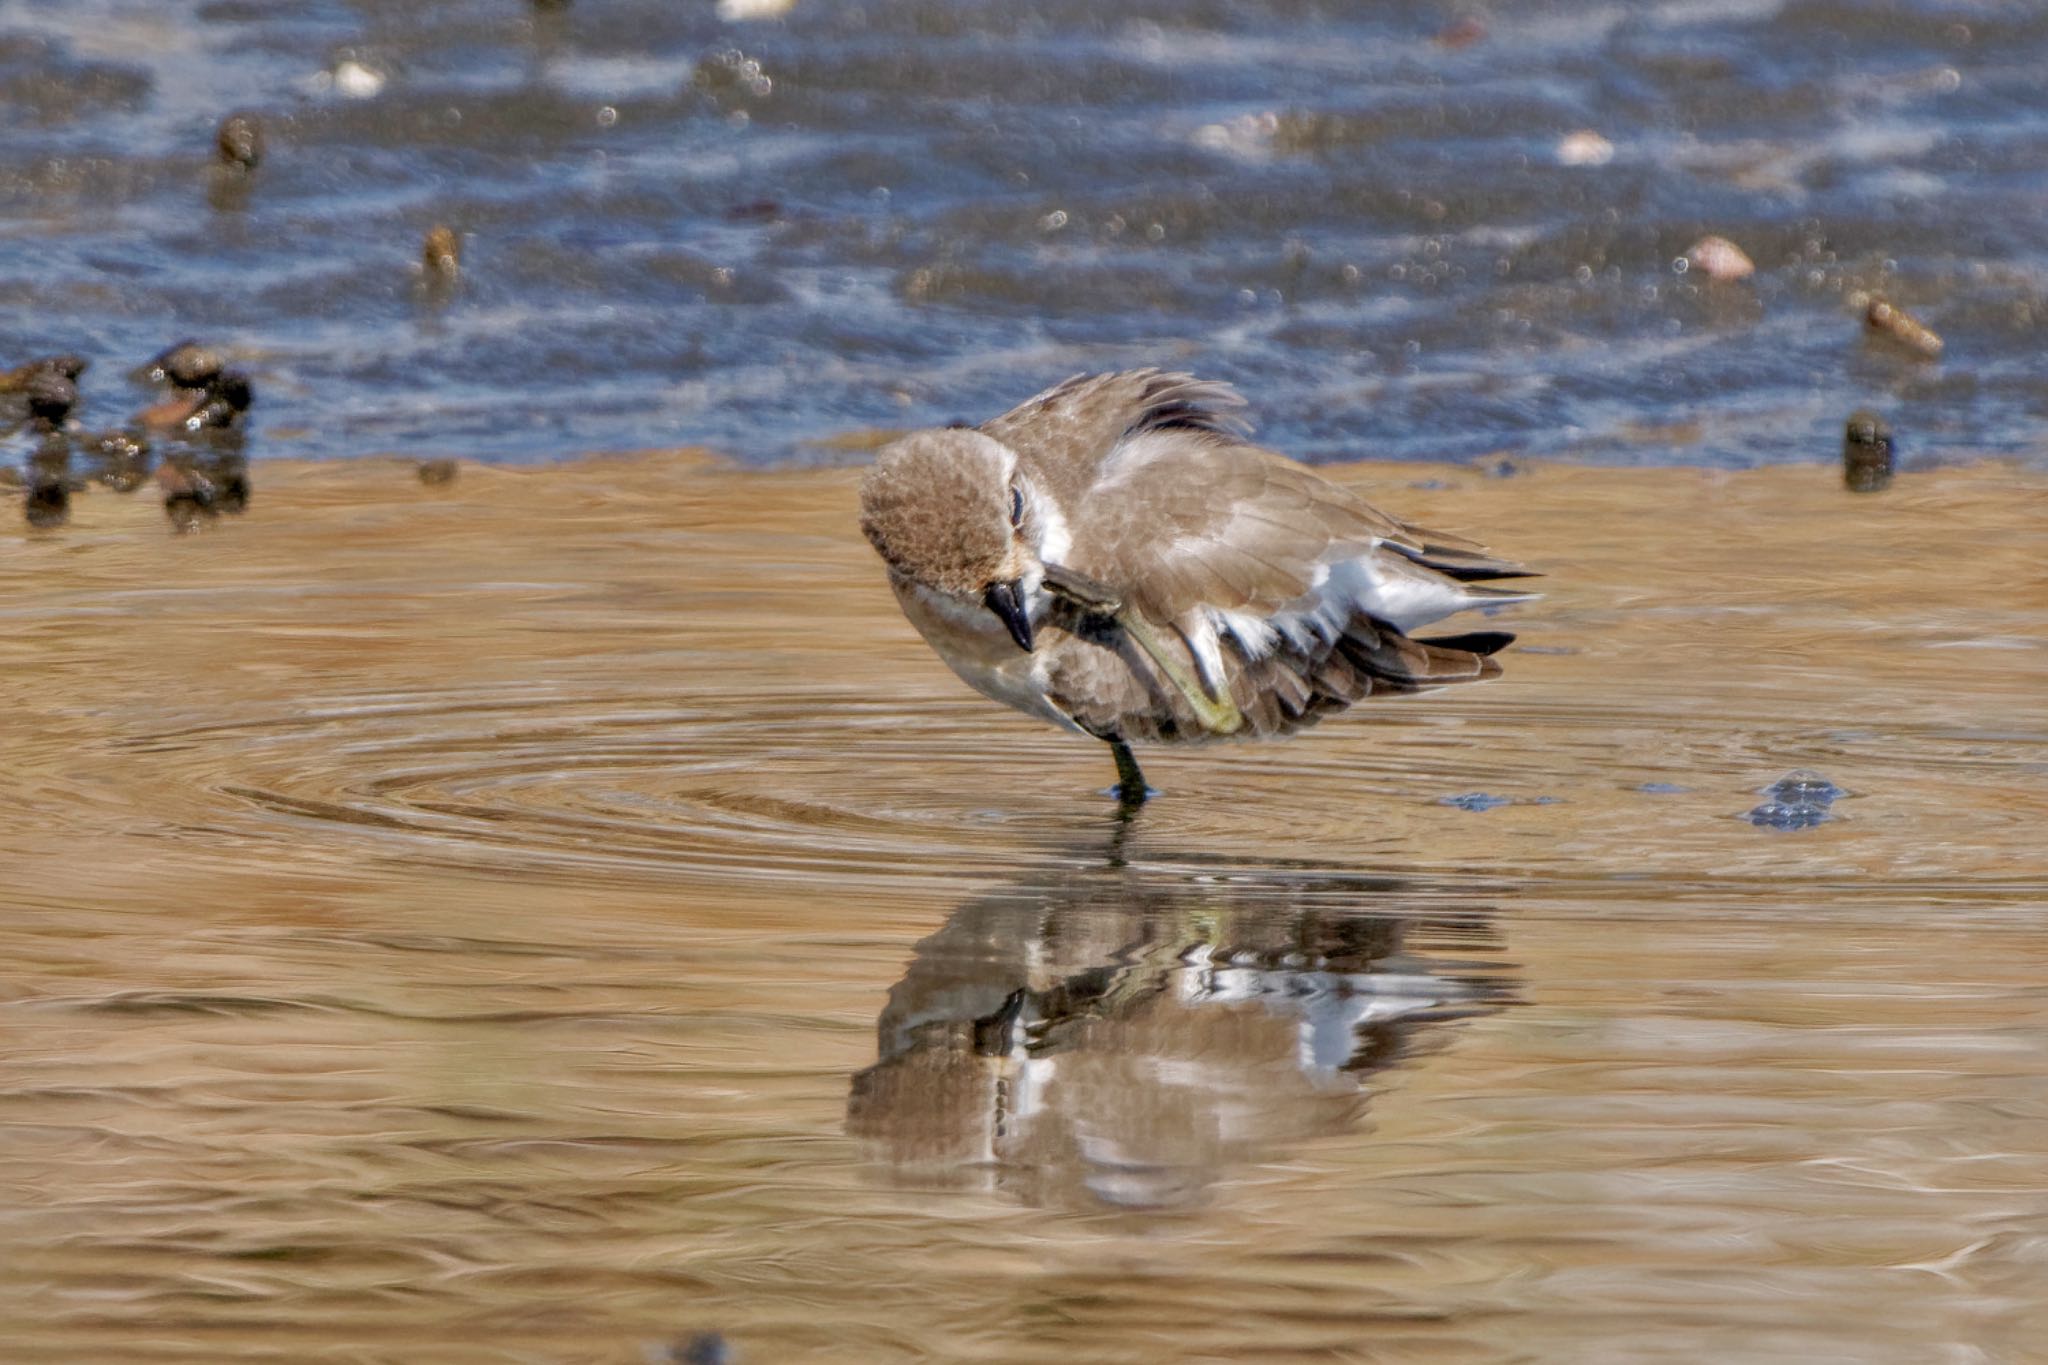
(63, 366)
(1867, 458)
(239, 142)
(51, 397)
(221, 404)
(437, 473)
(186, 364)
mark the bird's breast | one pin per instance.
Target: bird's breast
(978, 647)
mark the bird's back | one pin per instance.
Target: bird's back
(1282, 594)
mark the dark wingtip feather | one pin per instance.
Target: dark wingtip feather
(1481, 642)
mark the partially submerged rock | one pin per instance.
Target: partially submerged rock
(238, 142)
(1720, 259)
(1584, 148)
(441, 253)
(1867, 459)
(1895, 324)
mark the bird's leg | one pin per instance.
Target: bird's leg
(1131, 791)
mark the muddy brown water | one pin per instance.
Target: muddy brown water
(542, 917)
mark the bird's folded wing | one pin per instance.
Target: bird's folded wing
(1187, 520)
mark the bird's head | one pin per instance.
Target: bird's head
(948, 511)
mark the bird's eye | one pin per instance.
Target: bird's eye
(1016, 506)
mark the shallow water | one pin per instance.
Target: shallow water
(762, 235)
(540, 918)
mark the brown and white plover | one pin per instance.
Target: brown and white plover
(1116, 557)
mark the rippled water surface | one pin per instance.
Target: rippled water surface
(760, 234)
(549, 916)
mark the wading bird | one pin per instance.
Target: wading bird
(1116, 557)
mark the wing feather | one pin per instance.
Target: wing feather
(1290, 595)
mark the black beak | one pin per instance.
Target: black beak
(1002, 599)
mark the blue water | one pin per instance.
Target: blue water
(761, 235)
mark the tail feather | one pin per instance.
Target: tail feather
(1407, 665)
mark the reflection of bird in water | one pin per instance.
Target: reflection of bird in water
(1119, 1036)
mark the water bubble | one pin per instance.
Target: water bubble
(1783, 815)
(1805, 785)
(1054, 221)
(607, 116)
(731, 74)
(1798, 800)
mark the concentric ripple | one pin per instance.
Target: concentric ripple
(832, 786)
(722, 782)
